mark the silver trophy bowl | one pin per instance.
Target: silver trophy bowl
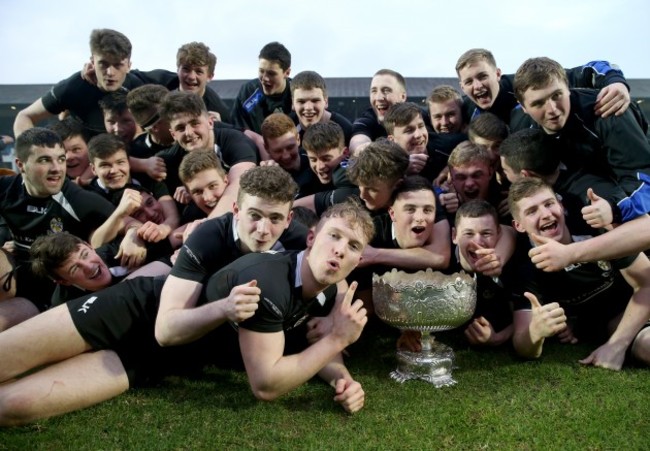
(426, 301)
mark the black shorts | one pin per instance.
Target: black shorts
(36, 289)
(122, 318)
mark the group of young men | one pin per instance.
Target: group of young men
(154, 230)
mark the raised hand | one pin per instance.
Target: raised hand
(348, 318)
(130, 202)
(549, 255)
(599, 213)
(547, 320)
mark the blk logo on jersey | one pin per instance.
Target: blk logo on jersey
(36, 210)
(86, 305)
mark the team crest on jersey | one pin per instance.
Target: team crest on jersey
(56, 225)
(605, 266)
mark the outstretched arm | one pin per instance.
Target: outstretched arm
(271, 374)
(30, 116)
(612, 354)
(179, 321)
(627, 239)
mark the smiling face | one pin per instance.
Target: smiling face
(549, 106)
(471, 181)
(206, 188)
(480, 82)
(309, 105)
(334, 250)
(76, 156)
(192, 132)
(114, 172)
(285, 150)
(324, 163)
(272, 77)
(446, 116)
(471, 234)
(44, 171)
(84, 269)
(542, 214)
(193, 78)
(110, 71)
(385, 91)
(260, 222)
(412, 137)
(413, 214)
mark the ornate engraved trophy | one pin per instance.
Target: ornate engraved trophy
(426, 302)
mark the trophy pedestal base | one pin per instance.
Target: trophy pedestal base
(431, 365)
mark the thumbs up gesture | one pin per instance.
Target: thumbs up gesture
(599, 213)
(550, 255)
(546, 321)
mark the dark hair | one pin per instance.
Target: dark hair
(308, 79)
(113, 102)
(473, 56)
(36, 136)
(182, 102)
(199, 161)
(144, 103)
(400, 115)
(487, 126)
(305, 216)
(104, 146)
(50, 251)
(531, 150)
(105, 41)
(267, 182)
(70, 127)
(412, 183)
(274, 51)
(537, 73)
(476, 208)
(379, 160)
(323, 136)
(396, 75)
(523, 188)
(196, 54)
